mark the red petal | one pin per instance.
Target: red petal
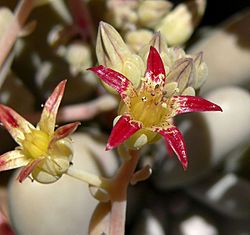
(175, 140)
(48, 117)
(194, 104)
(169, 149)
(64, 131)
(155, 67)
(114, 79)
(123, 129)
(27, 170)
(16, 125)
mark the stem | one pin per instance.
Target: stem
(83, 111)
(89, 178)
(82, 19)
(118, 194)
(21, 14)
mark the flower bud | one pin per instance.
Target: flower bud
(180, 23)
(159, 42)
(150, 12)
(113, 52)
(137, 39)
(78, 56)
(174, 54)
(122, 14)
(200, 70)
(182, 73)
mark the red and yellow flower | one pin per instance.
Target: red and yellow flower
(147, 111)
(44, 152)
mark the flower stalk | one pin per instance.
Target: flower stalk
(22, 12)
(118, 193)
(89, 178)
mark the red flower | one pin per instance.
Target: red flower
(148, 110)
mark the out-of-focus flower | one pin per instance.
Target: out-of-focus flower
(147, 111)
(78, 56)
(137, 39)
(179, 24)
(176, 25)
(150, 12)
(122, 14)
(43, 151)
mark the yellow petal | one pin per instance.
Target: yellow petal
(13, 159)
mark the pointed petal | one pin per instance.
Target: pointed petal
(194, 104)
(114, 79)
(176, 141)
(155, 68)
(48, 117)
(123, 129)
(12, 160)
(169, 149)
(16, 125)
(28, 169)
(64, 131)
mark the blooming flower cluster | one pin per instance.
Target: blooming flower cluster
(43, 151)
(147, 111)
(186, 73)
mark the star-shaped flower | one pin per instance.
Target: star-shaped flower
(43, 151)
(148, 110)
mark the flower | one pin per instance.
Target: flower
(43, 151)
(186, 73)
(147, 112)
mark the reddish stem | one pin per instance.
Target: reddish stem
(118, 194)
(22, 12)
(82, 19)
(83, 111)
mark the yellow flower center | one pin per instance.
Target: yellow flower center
(150, 106)
(36, 143)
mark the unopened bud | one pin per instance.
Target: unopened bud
(159, 42)
(137, 39)
(113, 53)
(180, 23)
(174, 54)
(200, 70)
(150, 12)
(111, 50)
(78, 56)
(122, 14)
(182, 73)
